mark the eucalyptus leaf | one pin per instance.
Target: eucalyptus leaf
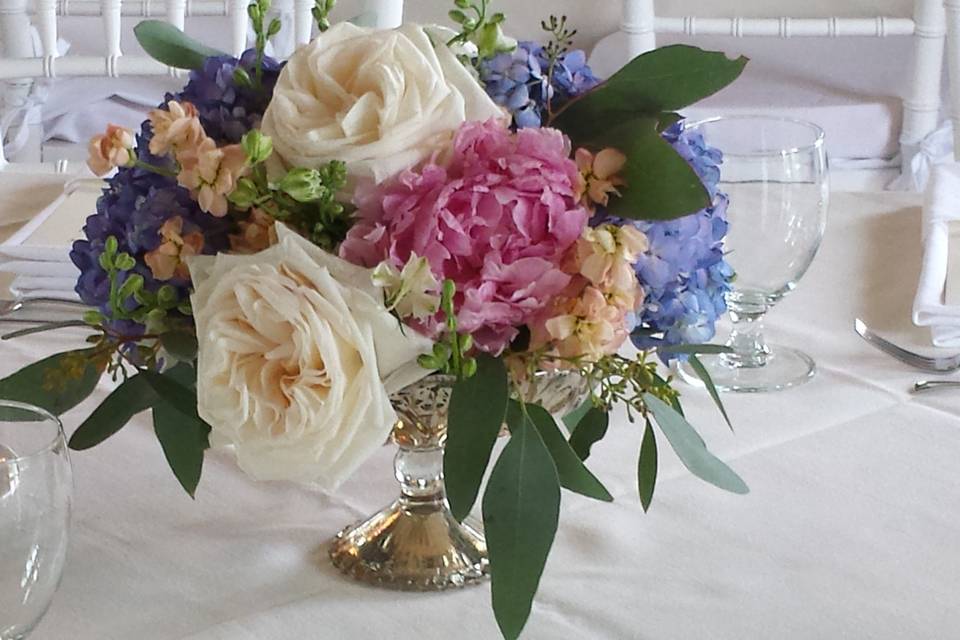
(180, 345)
(133, 396)
(647, 467)
(184, 440)
(694, 349)
(178, 395)
(691, 448)
(704, 375)
(590, 430)
(665, 79)
(43, 327)
(659, 184)
(477, 408)
(572, 419)
(30, 384)
(521, 509)
(167, 44)
(570, 468)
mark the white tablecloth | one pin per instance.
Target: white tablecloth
(852, 529)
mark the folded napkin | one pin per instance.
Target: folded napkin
(941, 212)
(38, 253)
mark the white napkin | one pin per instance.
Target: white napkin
(942, 207)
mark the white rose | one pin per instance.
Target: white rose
(298, 357)
(381, 101)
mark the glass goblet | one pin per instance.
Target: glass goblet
(36, 486)
(775, 172)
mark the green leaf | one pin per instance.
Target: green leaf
(181, 345)
(693, 349)
(667, 120)
(184, 440)
(167, 44)
(42, 327)
(665, 79)
(521, 508)
(704, 375)
(179, 396)
(572, 419)
(659, 184)
(590, 430)
(691, 449)
(133, 396)
(477, 408)
(29, 385)
(647, 467)
(570, 468)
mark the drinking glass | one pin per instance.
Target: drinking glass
(775, 173)
(36, 485)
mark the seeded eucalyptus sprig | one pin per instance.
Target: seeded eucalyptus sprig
(561, 39)
(450, 355)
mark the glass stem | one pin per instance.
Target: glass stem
(420, 474)
(746, 338)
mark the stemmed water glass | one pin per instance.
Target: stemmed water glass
(36, 486)
(775, 173)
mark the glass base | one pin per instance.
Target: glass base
(412, 545)
(784, 368)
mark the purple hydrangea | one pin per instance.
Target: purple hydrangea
(228, 110)
(684, 273)
(518, 80)
(136, 202)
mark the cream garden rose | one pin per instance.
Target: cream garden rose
(297, 359)
(381, 101)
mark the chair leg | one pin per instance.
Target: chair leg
(638, 24)
(953, 60)
(921, 108)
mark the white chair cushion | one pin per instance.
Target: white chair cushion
(851, 87)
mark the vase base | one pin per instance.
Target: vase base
(412, 545)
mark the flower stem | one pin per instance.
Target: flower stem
(146, 166)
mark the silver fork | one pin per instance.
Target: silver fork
(938, 364)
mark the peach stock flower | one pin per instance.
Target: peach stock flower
(175, 128)
(599, 173)
(257, 233)
(589, 319)
(211, 173)
(168, 260)
(110, 149)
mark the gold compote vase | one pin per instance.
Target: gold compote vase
(415, 543)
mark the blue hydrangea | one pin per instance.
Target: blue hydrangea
(136, 202)
(684, 273)
(518, 80)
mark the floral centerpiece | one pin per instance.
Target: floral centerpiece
(284, 247)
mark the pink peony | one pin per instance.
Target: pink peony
(498, 219)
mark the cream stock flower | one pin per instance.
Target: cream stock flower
(412, 292)
(380, 100)
(297, 359)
